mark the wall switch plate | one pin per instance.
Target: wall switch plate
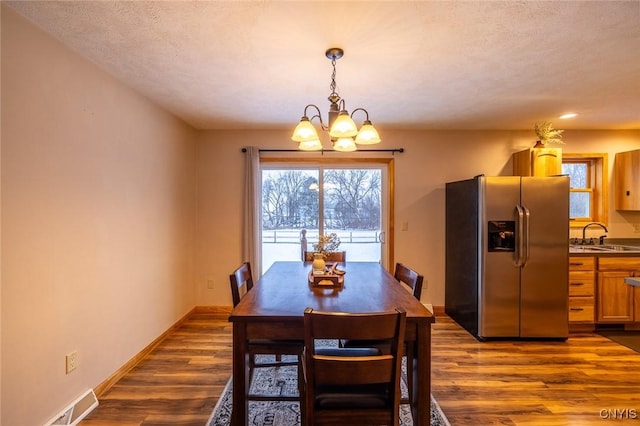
(72, 361)
(210, 284)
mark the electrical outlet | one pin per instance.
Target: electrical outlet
(636, 227)
(210, 284)
(72, 361)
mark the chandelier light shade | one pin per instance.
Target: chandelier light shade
(368, 135)
(305, 131)
(310, 145)
(343, 127)
(345, 144)
(343, 131)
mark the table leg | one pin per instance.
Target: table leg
(421, 398)
(240, 411)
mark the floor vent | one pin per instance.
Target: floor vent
(76, 411)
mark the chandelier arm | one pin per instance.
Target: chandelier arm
(360, 109)
(318, 115)
(322, 125)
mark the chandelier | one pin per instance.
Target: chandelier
(342, 129)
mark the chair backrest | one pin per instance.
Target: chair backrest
(345, 369)
(411, 278)
(334, 256)
(241, 282)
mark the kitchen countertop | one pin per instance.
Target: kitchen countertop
(632, 249)
(586, 251)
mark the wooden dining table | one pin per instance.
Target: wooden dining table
(274, 309)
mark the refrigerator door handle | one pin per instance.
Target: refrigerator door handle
(527, 215)
(520, 237)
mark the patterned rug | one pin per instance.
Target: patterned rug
(283, 381)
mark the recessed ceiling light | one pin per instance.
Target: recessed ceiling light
(568, 115)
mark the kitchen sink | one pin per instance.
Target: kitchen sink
(619, 248)
(605, 248)
(589, 248)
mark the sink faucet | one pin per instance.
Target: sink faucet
(584, 230)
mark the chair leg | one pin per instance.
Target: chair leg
(301, 392)
(409, 353)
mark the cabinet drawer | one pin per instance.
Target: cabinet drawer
(581, 263)
(619, 264)
(581, 283)
(581, 309)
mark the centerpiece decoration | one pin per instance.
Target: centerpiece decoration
(319, 275)
(327, 244)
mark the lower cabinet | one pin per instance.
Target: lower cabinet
(636, 304)
(617, 301)
(581, 290)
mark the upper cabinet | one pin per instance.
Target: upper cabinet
(627, 180)
(538, 162)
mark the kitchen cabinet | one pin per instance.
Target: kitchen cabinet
(627, 180)
(581, 290)
(615, 297)
(538, 162)
(636, 304)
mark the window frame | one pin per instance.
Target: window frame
(597, 175)
(324, 162)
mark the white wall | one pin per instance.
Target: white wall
(431, 159)
(98, 220)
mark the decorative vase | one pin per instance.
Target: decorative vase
(318, 265)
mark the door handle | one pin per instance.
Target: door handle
(520, 237)
(525, 243)
(381, 237)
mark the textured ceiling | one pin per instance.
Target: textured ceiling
(412, 65)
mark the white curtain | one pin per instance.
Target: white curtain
(251, 228)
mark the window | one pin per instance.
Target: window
(588, 181)
(302, 200)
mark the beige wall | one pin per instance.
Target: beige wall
(115, 215)
(431, 159)
(98, 219)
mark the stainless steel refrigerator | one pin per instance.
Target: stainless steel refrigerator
(507, 253)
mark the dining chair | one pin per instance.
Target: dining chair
(413, 280)
(241, 281)
(352, 386)
(333, 256)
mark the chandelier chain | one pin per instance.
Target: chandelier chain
(332, 86)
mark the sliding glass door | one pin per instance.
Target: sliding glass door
(301, 202)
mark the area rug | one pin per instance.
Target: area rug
(630, 339)
(283, 381)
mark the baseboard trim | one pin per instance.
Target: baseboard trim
(119, 373)
(213, 309)
(438, 310)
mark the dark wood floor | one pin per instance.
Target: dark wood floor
(576, 382)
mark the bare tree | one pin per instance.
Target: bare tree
(287, 199)
(354, 196)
